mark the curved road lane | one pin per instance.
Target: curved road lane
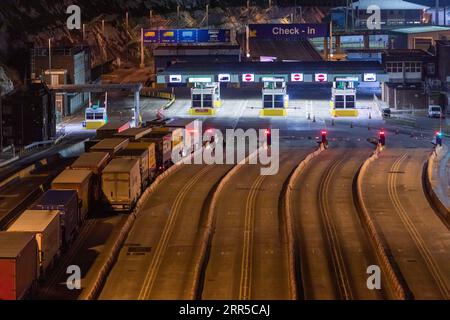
(157, 260)
(419, 241)
(334, 249)
(248, 255)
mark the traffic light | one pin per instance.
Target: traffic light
(268, 134)
(323, 134)
(382, 138)
(438, 138)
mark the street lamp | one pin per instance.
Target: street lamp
(207, 14)
(49, 54)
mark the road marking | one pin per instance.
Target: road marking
(247, 250)
(337, 257)
(413, 232)
(163, 243)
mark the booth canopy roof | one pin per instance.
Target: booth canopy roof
(275, 67)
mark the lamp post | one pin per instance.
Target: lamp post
(49, 53)
(207, 16)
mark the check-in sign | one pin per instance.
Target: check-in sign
(248, 77)
(296, 77)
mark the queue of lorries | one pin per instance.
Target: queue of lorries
(111, 175)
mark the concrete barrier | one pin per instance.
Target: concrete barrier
(434, 199)
(207, 234)
(292, 247)
(92, 290)
(385, 258)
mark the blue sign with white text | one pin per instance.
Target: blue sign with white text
(151, 36)
(187, 35)
(292, 31)
(214, 35)
(168, 36)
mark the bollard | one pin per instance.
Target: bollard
(309, 116)
(351, 124)
(332, 121)
(314, 118)
(370, 115)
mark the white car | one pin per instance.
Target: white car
(434, 111)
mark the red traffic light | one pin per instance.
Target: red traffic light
(323, 132)
(382, 133)
(267, 131)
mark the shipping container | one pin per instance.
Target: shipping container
(133, 134)
(177, 138)
(163, 146)
(150, 147)
(65, 201)
(111, 128)
(121, 184)
(82, 182)
(142, 156)
(96, 162)
(18, 264)
(47, 228)
(110, 145)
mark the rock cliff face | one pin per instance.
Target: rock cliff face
(25, 23)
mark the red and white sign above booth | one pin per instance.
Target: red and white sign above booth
(321, 77)
(296, 77)
(248, 77)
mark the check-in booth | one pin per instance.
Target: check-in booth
(343, 97)
(274, 97)
(205, 97)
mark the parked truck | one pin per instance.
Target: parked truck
(150, 147)
(176, 138)
(81, 181)
(121, 184)
(18, 264)
(110, 145)
(163, 147)
(46, 227)
(111, 128)
(95, 162)
(133, 134)
(142, 156)
(65, 201)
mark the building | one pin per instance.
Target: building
(393, 13)
(28, 115)
(418, 37)
(69, 65)
(409, 72)
(165, 56)
(441, 86)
